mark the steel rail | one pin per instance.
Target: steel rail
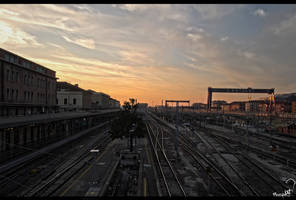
(159, 165)
(173, 171)
(220, 140)
(281, 159)
(209, 162)
(230, 165)
(82, 157)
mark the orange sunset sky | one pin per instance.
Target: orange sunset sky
(155, 52)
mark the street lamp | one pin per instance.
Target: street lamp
(131, 133)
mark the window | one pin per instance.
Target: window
(11, 58)
(16, 94)
(25, 95)
(12, 93)
(7, 93)
(25, 79)
(57, 101)
(31, 96)
(74, 101)
(12, 75)
(7, 75)
(65, 101)
(16, 76)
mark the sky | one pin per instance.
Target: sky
(155, 52)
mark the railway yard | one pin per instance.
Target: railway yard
(200, 158)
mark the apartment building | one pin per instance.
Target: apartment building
(25, 86)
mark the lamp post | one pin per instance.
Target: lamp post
(131, 133)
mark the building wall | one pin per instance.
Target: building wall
(256, 106)
(237, 107)
(105, 100)
(293, 107)
(86, 100)
(97, 99)
(70, 96)
(24, 84)
(226, 107)
(101, 100)
(74, 99)
(114, 103)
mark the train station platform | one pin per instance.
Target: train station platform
(10, 122)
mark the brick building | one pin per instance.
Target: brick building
(25, 87)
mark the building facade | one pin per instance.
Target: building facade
(71, 97)
(100, 100)
(114, 103)
(257, 106)
(293, 106)
(237, 106)
(226, 107)
(217, 105)
(199, 106)
(25, 87)
(283, 107)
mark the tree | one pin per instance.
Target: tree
(124, 122)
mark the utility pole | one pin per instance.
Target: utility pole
(177, 120)
(272, 101)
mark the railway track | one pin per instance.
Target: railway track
(17, 180)
(67, 170)
(268, 154)
(248, 188)
(211, 168)
(272, 182)
(169, 179)
(257, 174)
(217, 175)
(266, 179)
(282, 141)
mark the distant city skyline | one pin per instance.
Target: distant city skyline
(155, 52)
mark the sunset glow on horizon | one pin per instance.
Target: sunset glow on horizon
(158, 52)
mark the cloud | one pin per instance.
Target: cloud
(248, 55)
(14, 36)
(154, 50)
(200, 30)
(260, 13)
(286, 25)
(194, 37)
(224, 38)
(141, 7)
(213, 11)
(8, 12)
(87, 43)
